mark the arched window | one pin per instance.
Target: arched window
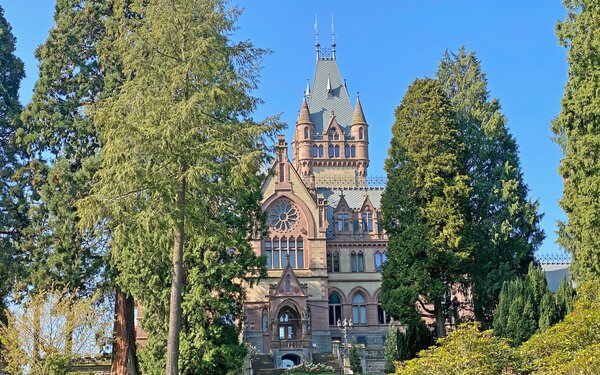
(265, 321)
(288, 284)
(367, 221)
(380, 258)
(381, 315)
(346, 151)
(330, 151)
(361, 133)
(359, 309)
(357, 262)
(299, 253)
(306, 133)
(286, 322)
(308, 320)
(353, 151)
(333, 262)
(330, 136)
(379, 222)
(315, 151)
(276, 257)
(335, 308)
(336, 136)
(321, 151)
(337, 151)
(285, 258)
(268, 254)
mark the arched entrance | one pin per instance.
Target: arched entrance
(290, 360)
(289, 325)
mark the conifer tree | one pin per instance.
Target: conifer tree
(504, 224)
(424, 206)
(13, 205)
(180, 179)
(578, 132)
(63, 143)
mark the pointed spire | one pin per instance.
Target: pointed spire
(304, 116)
(358, 117)
(307, 91)
(332, 39)
(317, 45)
(328, 85)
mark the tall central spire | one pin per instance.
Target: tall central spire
(317, 45)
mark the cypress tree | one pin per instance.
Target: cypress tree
(503, 222)
(424, 206)
(13, 204)
(564, 297)
(577, 130)
(180, 180)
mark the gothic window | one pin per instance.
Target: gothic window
(330, 136)
(333, 261)
(355, 223)
(379, 222)
(352, 151)
(346, 151)
(367, 221)
(381, 315)
(343, 222)
(361, 132)
(308, 320)
(337, 151)
(380, 259)
(330, 151)
(306, 133)
(315, 151)
(335, 308)
(268, 254)
(288, 284)
(361, 262)
(276, 257)
(359, 309)
(265, 321)
(336, 136)
(357, 262)
(300, 253)
(283, 216)
(320, 151)
(286, 326)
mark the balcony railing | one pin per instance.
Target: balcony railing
(290, 344)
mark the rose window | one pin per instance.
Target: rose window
(283, 216)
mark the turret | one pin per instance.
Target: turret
(303, 138)
(359, 129)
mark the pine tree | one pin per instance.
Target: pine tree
(63, 143)
(391, 347)
(180, 180)
(578, 132)
(424, 205)
(565, 298)
(13, 205)
(504, 224)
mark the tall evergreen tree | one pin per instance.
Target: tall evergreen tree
(63, 143)
(504, 224)
(13, 205)
(180, 181)
(526, 306)
(424, 205)
(578, 132)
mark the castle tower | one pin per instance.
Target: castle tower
(330, 145)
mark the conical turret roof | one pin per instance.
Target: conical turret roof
(304, 117)
(358, 117)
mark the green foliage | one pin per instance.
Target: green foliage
(504, 224)
(404, 344)
(13, 205)
(62, 143)
(355, 363)
(577, 130)
(465, 351)
(571, 346)
(527, 306)
(424, 204)
(57, 364)
(180, 125)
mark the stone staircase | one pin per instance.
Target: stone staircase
(262, 364)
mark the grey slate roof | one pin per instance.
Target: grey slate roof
(355, 197)
(555, 273)
(321, 106)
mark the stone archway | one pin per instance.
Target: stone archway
(290, 360)
(289, 324)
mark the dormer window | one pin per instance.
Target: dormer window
(367, 221)
(333, 135)
(343, 222)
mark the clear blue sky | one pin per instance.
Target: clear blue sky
(382, 48)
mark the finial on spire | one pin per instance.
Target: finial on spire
(317, 45)
(332, 38)
(307, 91)
(329, 89)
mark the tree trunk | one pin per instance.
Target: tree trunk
(36, 328)
(124, 358)
(176, 283)
(70, 327)
(440, 321)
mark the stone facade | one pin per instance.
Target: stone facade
(325, 244)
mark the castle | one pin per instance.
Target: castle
(325, 244)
